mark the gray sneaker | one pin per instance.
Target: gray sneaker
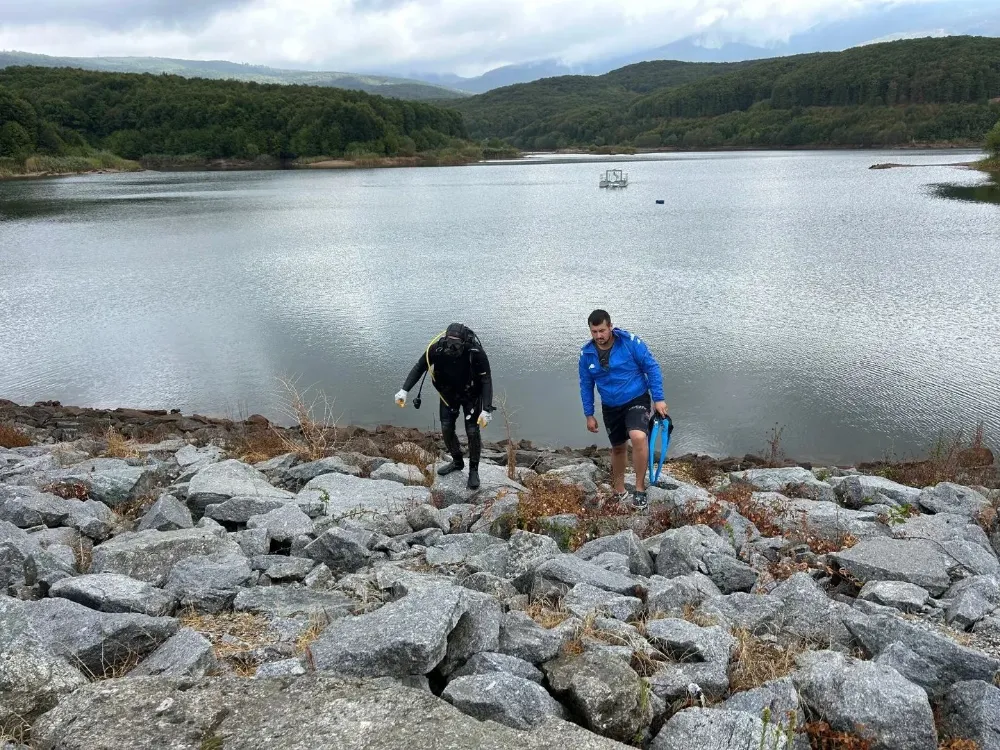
(621, 498)
(640, 501)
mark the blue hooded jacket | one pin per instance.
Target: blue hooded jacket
(631, 372)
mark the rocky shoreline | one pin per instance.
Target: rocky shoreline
(171, 580)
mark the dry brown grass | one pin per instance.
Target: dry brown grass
(246, 632)
(317, 624)
(313, 437)
(962, 457)
(118, 446)
(11, 437)
(547, 613)
(67, 490)
(696, 617)
(15, 730)
(133, 511)
(823, 737)
(957, 744)
(84, 556)
(252, 444)
(549, 497)
(755, 661)
(413, 455)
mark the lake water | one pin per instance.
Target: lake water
(858, 309)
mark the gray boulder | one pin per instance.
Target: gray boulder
(402, 473)
(208, 583)
(610, 697)
(952, 498)
(283, 524)
(933, 661)
(149, 555)
(405, 637)
(283, 668)
(304, 473)
(585, 599)
(96, 641)
(33, 678)
(670, 596)
(626, 543)
(279, 568)
(23, 561)
(825, 520)
(340, 550)
(293, 601)
(253, 542)
(217, 482)
(892, 712)
(499, 517)
(856, 492)
(700, 655)
(290, 713)
(187, 653)
(972, 599)
(487, 583)
(778, 698)
(489, 662)
(525, 552)
(167, 514)
(493, 479)
(682, 551)
(785, 480)
(522, 637)
(728, 573)
(503, 698)
(113, 593)
(456, 549)
(112, 481)
(237, 510)
(557, 575)
(717, 729)
(26, 507)
(906, 597)
(477, 631)
(971, 711)
(343, 495)
(426, 516)
(915, 561)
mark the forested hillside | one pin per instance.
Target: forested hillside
(920, 90)
(401, 88)
(62, 111)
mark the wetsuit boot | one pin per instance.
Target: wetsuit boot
(453, 446)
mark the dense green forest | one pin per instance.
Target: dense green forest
(993, 141)
(66, 112)
(401, 88)
(922, 90)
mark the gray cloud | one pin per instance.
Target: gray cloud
(113, 14)
(462, 36)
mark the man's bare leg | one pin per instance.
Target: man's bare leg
(618, 468)
(640, 458)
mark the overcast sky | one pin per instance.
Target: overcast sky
(461, 36)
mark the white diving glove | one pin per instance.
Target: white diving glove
(485, 418)
(401, 399)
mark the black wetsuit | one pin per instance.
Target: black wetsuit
(464, 383)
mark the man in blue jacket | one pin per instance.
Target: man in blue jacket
(621, 366)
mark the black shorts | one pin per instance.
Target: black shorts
(619, 421)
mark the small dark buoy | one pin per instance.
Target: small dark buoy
(659, 201)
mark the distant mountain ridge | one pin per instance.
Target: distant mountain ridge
(399, 88)
(940, 18)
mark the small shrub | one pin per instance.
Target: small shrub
(12, 437)
(118, 446)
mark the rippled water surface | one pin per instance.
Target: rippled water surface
(857, 308)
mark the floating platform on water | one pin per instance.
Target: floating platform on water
(613, 178)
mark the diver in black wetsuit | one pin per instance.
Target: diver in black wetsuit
(460, 371)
